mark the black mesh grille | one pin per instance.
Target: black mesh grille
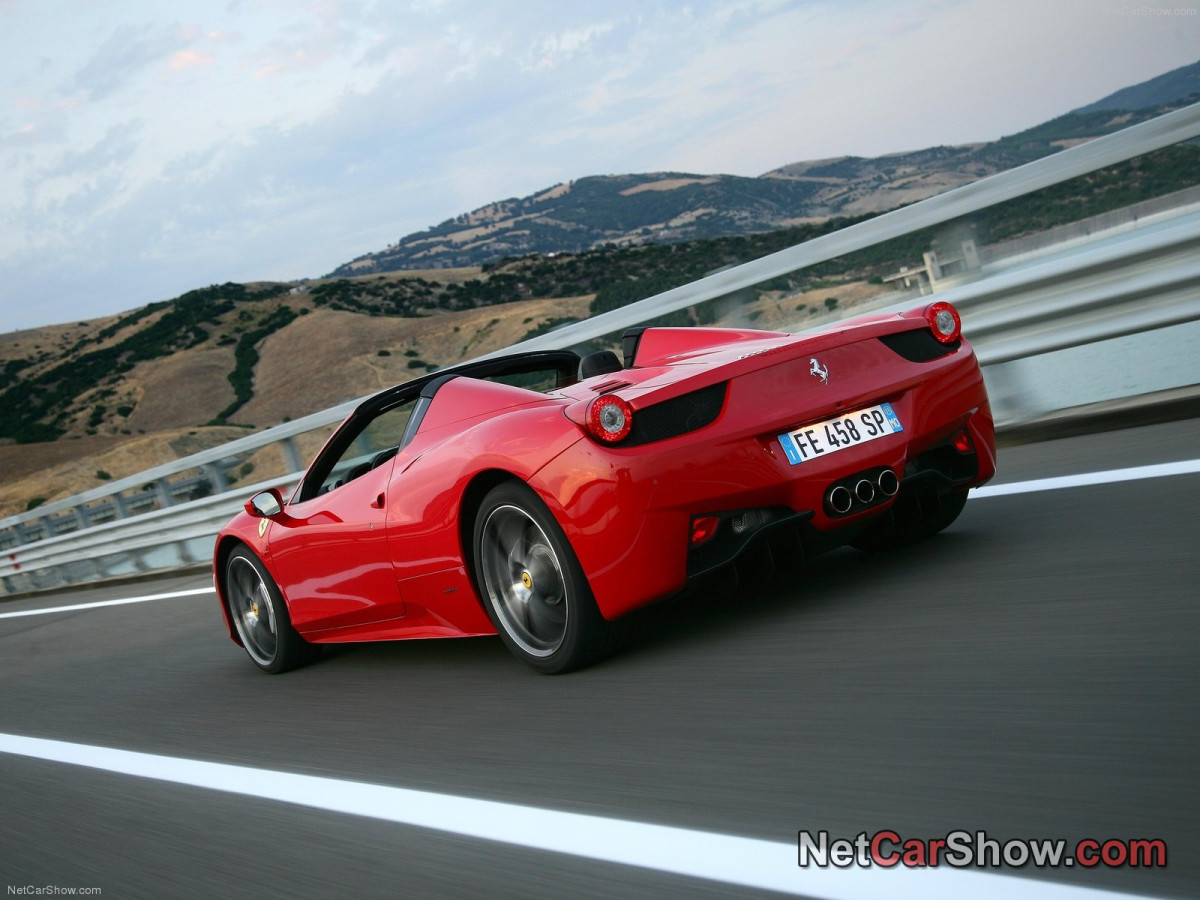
(919, 345)
(672, 418)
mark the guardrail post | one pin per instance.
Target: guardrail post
(185, 555)
(216, 478)
(291, 456)
(1010, 393)
(162, 489)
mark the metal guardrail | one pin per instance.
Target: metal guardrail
(1146, 137)
(175, 537)
(1072, 298)
(1062, 300)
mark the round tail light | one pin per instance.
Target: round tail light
(609, 419)
(944, 322)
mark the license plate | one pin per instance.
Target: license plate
(832, 435)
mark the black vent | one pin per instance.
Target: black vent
(919, 345)
(680, 415)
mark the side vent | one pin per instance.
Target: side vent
(677, 416)
(918, 345)
(608, 387)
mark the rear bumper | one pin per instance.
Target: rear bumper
(628, 511)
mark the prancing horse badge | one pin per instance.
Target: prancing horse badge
(818, 371)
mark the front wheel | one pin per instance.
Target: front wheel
(532, 585)
(261, 617)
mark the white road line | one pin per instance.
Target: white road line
(724, 858)
(99, 603)
(1111, 476)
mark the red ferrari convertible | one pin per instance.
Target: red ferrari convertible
(542, 497)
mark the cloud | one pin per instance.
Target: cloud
(116, 148)
(150, 156)
(308, 44)
(553, 50)
(128, 52)
(27, 134)
(187, 59)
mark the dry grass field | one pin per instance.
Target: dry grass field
(317, 361)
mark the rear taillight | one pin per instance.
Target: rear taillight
(609, 419)
(962, 443)
(704, 528)
(943, 321)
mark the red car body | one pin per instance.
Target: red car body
(707, 473)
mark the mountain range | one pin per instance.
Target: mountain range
(665, 207)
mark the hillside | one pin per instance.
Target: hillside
(668, 207)
(1177, 86)
(151, 409)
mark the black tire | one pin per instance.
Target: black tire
(916, 515)
(532, 585)
(948, 508)
(260, 615)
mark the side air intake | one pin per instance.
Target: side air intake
(677, 416)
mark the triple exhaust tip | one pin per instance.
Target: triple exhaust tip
(841, 500)
(888, 483)
(864, 491)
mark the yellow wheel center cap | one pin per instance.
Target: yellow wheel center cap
(254, 609)
(526, 580)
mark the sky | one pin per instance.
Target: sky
(150, 148)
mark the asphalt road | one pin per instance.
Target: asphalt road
(1033, 672)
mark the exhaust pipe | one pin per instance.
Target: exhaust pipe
(864, 491)
(889, 484)
(869, 488)
(839, 499)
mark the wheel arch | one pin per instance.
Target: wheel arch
(472, 499)
(585, 634)
(226, 545)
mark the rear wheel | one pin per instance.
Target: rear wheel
(261, 617)
(918, 513)
(532, 585)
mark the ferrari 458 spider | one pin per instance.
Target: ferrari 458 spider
(543, 497)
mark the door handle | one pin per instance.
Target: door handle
(377, 503)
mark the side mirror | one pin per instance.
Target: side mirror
(265, 504)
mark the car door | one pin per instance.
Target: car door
(330, 550)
